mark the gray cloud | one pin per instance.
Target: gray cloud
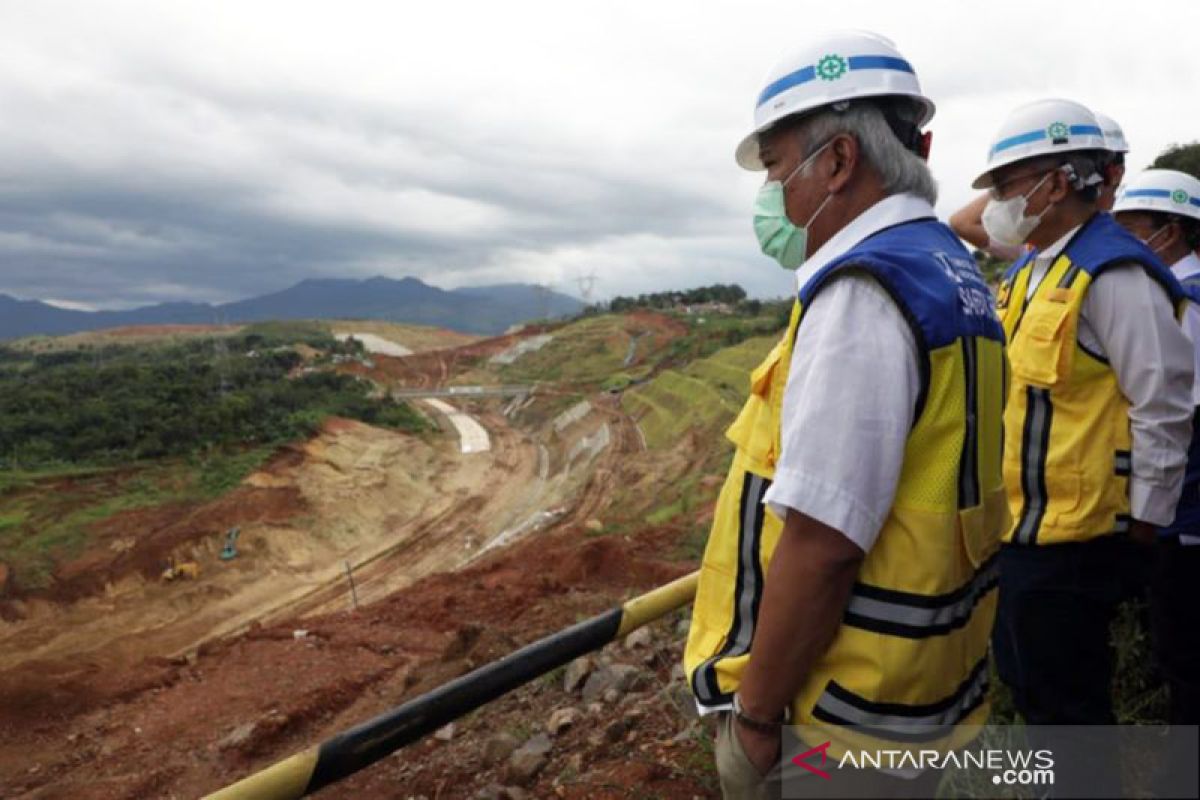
(179, 151)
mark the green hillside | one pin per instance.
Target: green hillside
(706, 394)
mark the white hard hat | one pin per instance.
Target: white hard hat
(1165, 190)
(1114, 137)
(1041, 128)
(834, 68)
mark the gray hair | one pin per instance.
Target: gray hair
(1084, 170)
(900, 170)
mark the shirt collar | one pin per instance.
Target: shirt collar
(1051, 252)
(889, 211)
(1186, 267)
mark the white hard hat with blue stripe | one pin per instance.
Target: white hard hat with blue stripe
(1114, 137)
(1166, 191)
(1042, 128)
(835, 68)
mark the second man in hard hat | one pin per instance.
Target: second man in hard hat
(850, 567)
(1098, 419)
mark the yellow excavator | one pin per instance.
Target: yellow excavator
(189, 570)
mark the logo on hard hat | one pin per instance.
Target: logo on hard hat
(831, 67)
(1179, 196)
(1058, 132)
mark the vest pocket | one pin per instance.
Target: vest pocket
(1065, 488)
(1040, 353)
(981, 527)
(753, 432)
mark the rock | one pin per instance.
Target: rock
(562, 719)
(595, 709)
(642, 637)
(611, 696)
(577, 671)
(445, 733)
(498, 748)
(678, 673)
(682, 700)
(616, 730)
(299, 633)
(237, 737)
(683, 627)
(594, 525)
(529, 759)
(619, 677)
(494, 791)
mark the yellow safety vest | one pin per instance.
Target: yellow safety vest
(1067, 449)
(909, 662)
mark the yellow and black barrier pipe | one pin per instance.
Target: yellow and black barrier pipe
(363, 745)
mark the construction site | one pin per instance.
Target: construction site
(569, 467)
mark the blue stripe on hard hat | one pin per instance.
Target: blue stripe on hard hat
(1038, 135)
(806, 74)
(880, 62)
(1162, 193)
(1148, 193)
(786, 82)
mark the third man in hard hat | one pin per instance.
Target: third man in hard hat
(1162, 208)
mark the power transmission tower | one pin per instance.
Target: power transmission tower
(587, 284)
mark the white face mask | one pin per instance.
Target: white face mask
(1005, 221)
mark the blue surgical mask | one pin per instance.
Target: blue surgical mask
(778, 236)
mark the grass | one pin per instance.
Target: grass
(704, 395)
(588, 351)
(46, 517)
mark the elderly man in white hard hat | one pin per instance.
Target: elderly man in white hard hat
(850, 567)
(967, 222)
(1162, 208)
(1097, 423)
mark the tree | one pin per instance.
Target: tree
(1181, 157)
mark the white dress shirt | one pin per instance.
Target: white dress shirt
(1184, 268)
(1127, 319)
(851, 392)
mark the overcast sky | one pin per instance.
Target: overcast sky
(210, 151)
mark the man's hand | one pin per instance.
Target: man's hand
(1142, 532)
(762, 749)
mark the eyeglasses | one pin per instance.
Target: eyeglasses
(996, 190)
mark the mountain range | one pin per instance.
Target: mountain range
(479, 310)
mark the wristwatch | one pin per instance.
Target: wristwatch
(759, 725)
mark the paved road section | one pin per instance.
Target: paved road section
(376, 344)
(472, 436)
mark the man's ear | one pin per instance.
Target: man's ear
(846, 152)
(1060, 186)
(1113, 174)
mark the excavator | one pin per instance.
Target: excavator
(189, 570)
